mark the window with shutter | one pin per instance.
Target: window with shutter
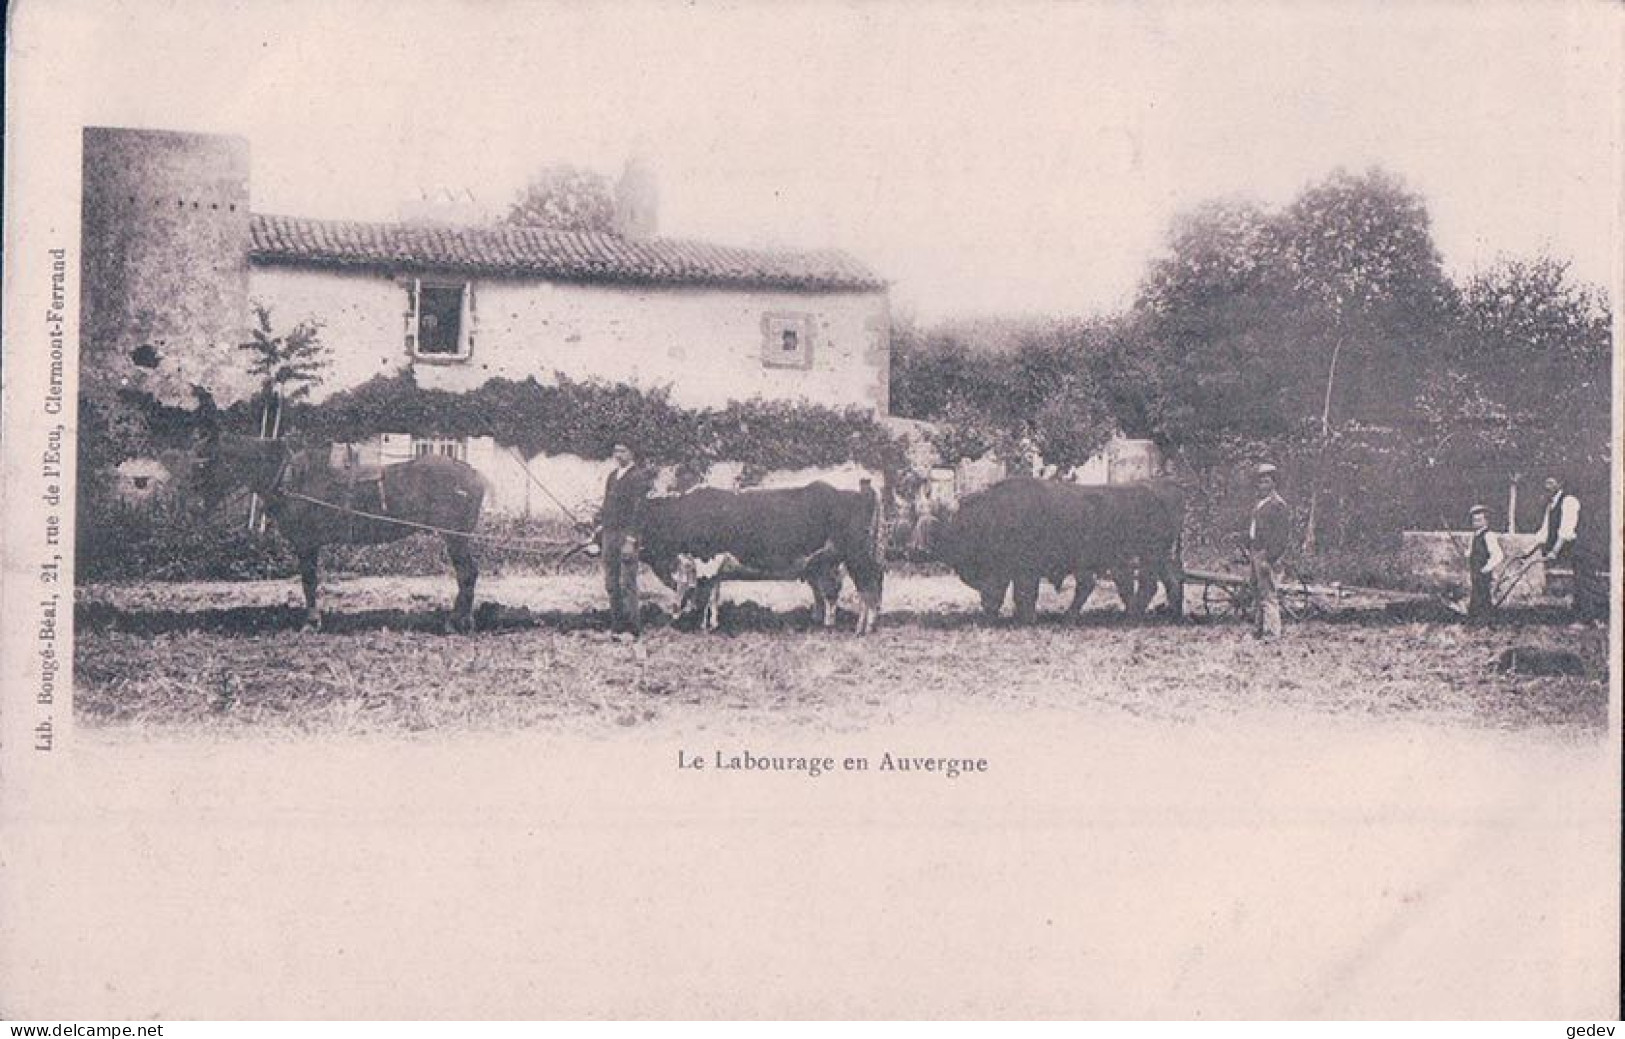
(438, 320)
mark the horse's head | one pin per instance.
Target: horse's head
(226, 461)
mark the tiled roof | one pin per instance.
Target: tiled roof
(533, 252)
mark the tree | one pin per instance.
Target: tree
(1205, 323)
(565, 198)
(1536, 345)
(1258, 323)
(1529, 331)
(1038, 392)
(1360, 257)
(288, 366)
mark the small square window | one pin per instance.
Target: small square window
(787, 340)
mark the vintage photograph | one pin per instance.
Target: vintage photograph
(813, 510)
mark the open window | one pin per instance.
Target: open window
(787, 340)
(438, 319)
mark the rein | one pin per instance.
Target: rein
(277, 489)
(514, 546)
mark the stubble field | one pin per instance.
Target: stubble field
(231, 657)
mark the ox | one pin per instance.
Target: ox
(1021, 531)
(695, 541)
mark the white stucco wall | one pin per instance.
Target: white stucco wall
(705, 343)
(362, 316)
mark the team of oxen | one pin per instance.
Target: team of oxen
(1014, 535)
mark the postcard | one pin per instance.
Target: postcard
(819, 510)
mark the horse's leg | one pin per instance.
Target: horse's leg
(307, 577)
(463, 562)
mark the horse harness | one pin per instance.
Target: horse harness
(350, 509)
(350, 478)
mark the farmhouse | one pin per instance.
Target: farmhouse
(175, 260)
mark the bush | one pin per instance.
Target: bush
(119, 542)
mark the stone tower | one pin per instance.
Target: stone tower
(165, 264)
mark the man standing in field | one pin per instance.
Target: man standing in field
(1559, 525)
(1483, 559)
(621, 518)
(1567, 542)
(1268, 536)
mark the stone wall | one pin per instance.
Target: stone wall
(165, 264)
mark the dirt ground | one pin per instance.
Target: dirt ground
(1365, 819)
(230, 656)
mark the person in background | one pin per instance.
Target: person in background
(1484, 558)
(1559, 525)
(1570, 539)
(625, 491)
(1269, 534)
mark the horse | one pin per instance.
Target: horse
(314, 504)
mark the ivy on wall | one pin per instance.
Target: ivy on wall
(587, 418)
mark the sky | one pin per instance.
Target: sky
(987, 158)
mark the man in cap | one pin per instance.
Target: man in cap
(1483, 560)
(621, 518)
(1269, 535)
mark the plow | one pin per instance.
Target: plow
(1226, 596)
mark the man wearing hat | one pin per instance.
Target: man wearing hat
(621, 518)
(1269, 535)
(1483, 559)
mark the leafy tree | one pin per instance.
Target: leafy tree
(1257, 322)
(1205, 326)
(1532, 337)
(288, 366)
(1360, 259)
(1533, 346)
(565, 198)
(1325, 308)
(1040, 393)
